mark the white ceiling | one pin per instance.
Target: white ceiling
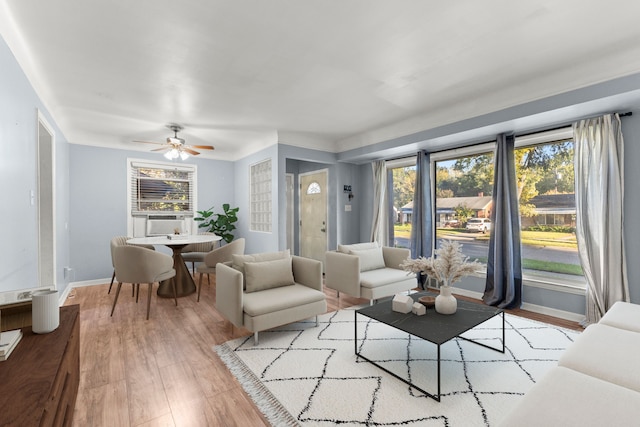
(333, 75)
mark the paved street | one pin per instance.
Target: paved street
(476, 249)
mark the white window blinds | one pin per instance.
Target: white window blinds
(161, 188)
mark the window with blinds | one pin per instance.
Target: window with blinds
(161, 188)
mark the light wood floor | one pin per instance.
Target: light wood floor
(164, 371)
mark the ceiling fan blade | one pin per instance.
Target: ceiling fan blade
(203, 147)
(161, 149)
(190, 151)
(150, 142)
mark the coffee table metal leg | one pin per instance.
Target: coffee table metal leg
(358, 355)
(488, 346)
(438, 398)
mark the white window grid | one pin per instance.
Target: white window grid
(260, 196)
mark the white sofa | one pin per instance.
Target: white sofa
(596, 382)
(366, 270)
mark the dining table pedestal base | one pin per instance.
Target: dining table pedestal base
(184, 282)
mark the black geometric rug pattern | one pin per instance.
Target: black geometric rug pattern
(300, 374)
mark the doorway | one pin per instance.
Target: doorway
(46, 204)
(313, 214)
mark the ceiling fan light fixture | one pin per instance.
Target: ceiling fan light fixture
(175, 147)
(172, 154)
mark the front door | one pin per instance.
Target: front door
(313, 215)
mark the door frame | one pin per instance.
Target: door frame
(326, 197)
(290, 218)
(42, 176)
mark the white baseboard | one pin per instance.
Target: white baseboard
(89, 283)
(561, 314)
(467, 293)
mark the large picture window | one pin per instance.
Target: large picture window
(463, 198)
(545, 182)
(403, 174)
(463, 183)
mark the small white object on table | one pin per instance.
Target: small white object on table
(402, 303)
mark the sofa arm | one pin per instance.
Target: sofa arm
(229, 293)
(307, 272)
(342, 273)
(393, 257)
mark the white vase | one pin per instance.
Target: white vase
(45, 311)
(445, 302)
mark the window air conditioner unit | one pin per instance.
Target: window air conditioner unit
(161, 225)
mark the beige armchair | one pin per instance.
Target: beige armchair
(262, 291)
(216, 256)
(365, 270)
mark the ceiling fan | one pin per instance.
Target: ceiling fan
(175, 147)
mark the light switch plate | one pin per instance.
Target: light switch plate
(347, 208)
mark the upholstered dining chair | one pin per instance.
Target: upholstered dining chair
(221, 254)
(140, 265)
(195, 252)
(120, 241)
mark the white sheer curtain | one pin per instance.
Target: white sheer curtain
(379, 231)
(599, 181)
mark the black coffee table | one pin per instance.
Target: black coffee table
(433, 327)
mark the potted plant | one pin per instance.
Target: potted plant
(221, 224)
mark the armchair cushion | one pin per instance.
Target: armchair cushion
(370, 259)
(239, 260)
(357, 247)
(381, 277)
(264, 275)
(277, 299)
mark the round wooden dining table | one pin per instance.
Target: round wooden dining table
(184, 282)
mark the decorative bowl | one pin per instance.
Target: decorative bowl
(428, 301)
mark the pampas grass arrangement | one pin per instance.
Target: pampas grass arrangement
(448, 266)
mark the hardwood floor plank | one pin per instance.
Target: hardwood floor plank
(103, 406)
(194, 413)
(164, 371)
(147, 396)
(101, 347)
(234, 408)
(162, 421)
(180, 384)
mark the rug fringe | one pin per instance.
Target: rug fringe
(261, 396)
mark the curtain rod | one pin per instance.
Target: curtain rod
(627, 114)
(517, 135)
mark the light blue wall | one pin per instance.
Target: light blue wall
(99, 202)
(19, 105)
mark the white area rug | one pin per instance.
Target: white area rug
(306, 375)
